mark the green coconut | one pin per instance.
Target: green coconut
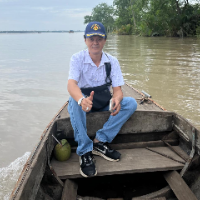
(62, 153)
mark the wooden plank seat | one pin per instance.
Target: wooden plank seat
(136, 160)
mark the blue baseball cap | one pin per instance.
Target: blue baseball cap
(95, 28)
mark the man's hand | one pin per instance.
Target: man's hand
(86, 103)
(117, 97)
(116, 106)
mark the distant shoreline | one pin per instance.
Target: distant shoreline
(38, 31)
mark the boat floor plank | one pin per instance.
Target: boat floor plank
(132, 161)
(88, 198)
(179, 187)
(69, 190)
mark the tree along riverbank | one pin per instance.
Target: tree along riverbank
(175, 18)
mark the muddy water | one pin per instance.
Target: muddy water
(33, 84)
(166, 68)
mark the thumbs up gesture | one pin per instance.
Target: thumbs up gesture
(87, 102)
(91, 96)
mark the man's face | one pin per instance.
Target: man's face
(95, 44)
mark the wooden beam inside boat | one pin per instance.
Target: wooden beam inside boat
(132, 161)
(179, 187)
(69, 190)
(186, 131)
(92, 198)
(139, 122)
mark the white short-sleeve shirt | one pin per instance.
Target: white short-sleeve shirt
(87, 74)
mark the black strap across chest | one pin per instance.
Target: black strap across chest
(108, 70)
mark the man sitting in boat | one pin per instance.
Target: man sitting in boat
(90, 72)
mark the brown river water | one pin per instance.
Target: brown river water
(33, 84)
(166, 68)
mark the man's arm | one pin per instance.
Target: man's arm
(76, 94)
(74, 90)
(116, 99)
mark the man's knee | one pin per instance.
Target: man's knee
(130, 103)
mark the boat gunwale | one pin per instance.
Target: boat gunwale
(27, 166)
(150, 99)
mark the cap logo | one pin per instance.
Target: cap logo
(95, 27)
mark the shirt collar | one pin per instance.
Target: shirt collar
(88, 59)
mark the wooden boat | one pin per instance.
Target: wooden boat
(160, 159)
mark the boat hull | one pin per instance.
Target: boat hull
(147, 127)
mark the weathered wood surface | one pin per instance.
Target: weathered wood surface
(179, 187)
(89, 198)
(184, 156)
(132, 161)
(33, 171)
(164, 192)
(133, 145)
(43, 195)
(139, 122)
(69, 190)
(128, 91)
(115, 199)
(187, 127)
(139, 137)
(157, 198)
(94, 198)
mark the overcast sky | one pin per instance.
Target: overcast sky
(45, 14)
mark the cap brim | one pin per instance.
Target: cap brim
(92, 34)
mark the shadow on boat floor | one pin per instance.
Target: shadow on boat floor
(124, 186)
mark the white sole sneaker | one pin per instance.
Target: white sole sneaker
(103, 156)
(84, 175)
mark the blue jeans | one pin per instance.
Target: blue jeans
(109, 130)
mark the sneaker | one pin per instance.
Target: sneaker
(103, 150)
(87, 166)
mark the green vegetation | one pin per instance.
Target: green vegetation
(150, 17)
(104, 14)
